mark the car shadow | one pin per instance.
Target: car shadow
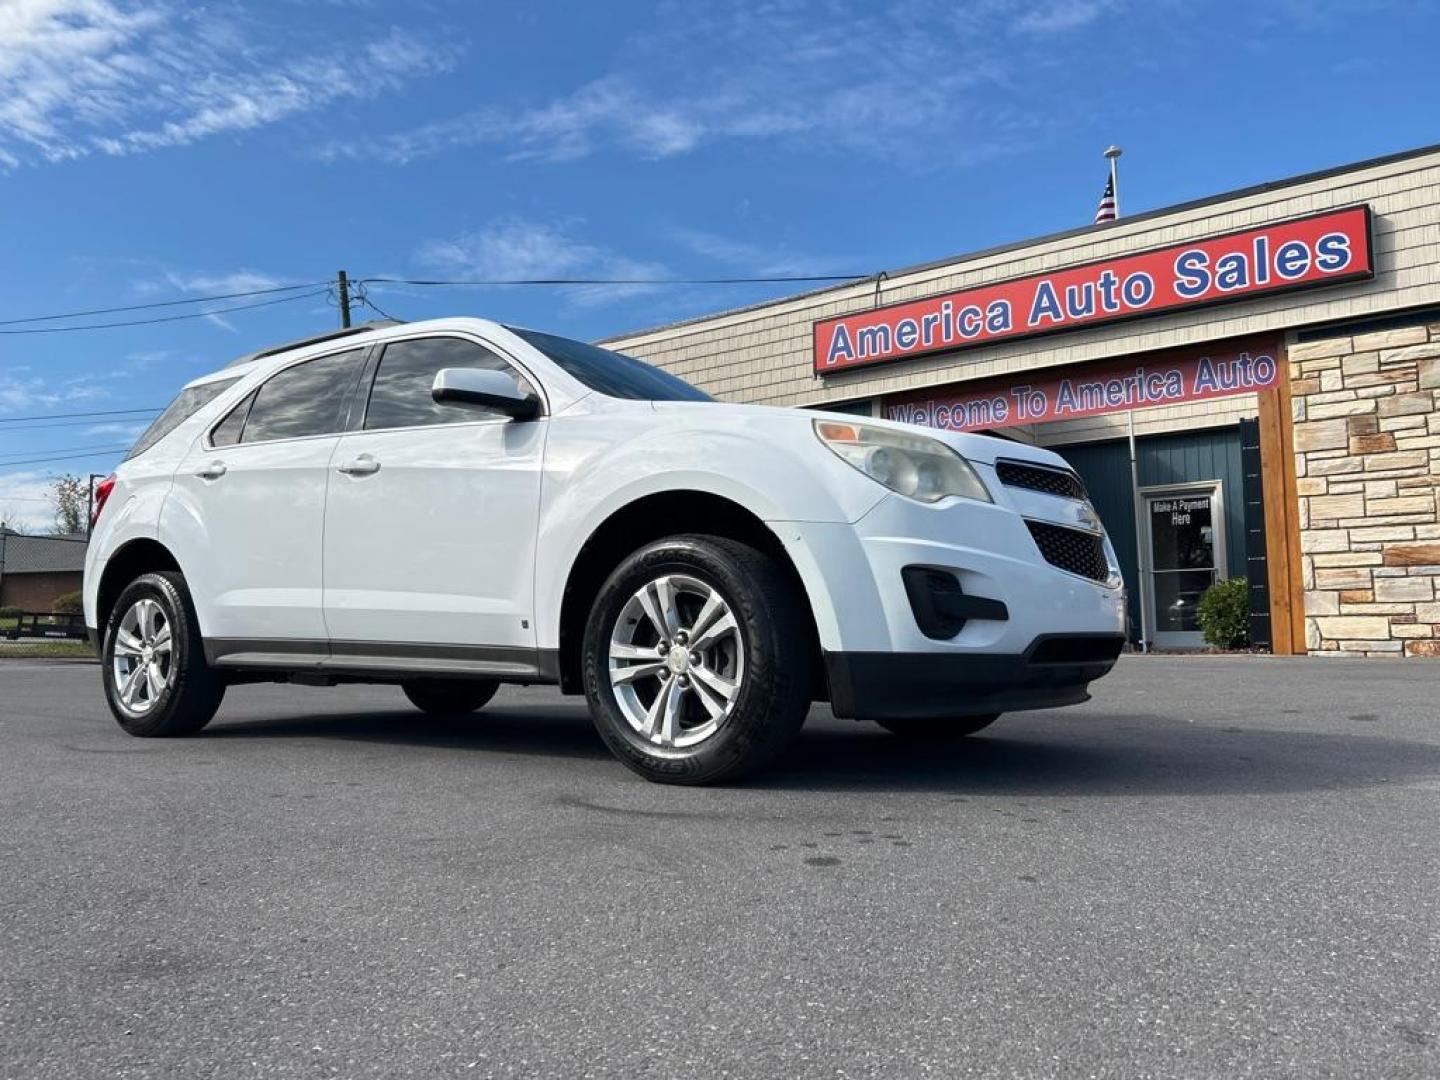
(1029, 754)
(554, 731)
(1104, 756)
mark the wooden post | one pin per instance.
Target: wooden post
(1282, 514)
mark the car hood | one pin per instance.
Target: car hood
(980, 448)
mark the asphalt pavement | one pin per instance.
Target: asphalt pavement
(1220, 867)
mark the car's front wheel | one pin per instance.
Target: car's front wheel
(695, 660)
(938, 729)
(449, 697)
(157, 682)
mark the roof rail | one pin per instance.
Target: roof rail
(329, 335)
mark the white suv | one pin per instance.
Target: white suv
(455, 504)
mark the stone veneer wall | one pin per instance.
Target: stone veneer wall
(1367, 461)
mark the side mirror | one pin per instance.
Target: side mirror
(486, 388)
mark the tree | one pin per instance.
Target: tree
(70, 498)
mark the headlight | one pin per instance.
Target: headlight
(912, 465)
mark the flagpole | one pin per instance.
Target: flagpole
(1113, 153)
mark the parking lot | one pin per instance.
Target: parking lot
(1220, 867)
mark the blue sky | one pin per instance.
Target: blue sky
(153, 150)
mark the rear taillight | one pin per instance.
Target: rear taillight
(102, 494)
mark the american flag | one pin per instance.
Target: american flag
(1106, 210)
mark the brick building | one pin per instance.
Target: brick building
(1247, 384)
(35, 570)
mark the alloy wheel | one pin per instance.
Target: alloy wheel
(677, 661)
(143, 661)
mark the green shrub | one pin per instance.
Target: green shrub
(10, 612)
(69, 603)
(1224, 614)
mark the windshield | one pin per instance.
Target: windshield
(611, 373)
(186, 404)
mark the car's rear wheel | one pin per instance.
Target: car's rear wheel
(449, 697)
(157, 682)
(938, 729)
(696, 663)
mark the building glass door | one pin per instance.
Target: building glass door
(1186, 556)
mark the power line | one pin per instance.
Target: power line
(167, 318)
(65, 457)
(45, 450)
(362, 296)
(69, 415)
(317, 288)
(122, 421)
(487, 282)
(164, 303)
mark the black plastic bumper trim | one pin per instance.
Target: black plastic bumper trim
(902, 686)
(941, 608)
(385, 661)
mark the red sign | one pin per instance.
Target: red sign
(1322, 249)
(1091, 389)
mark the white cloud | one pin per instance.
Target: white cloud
(166, 282)
(120, 432)
(19, 392)
(84, 76)
(25, 502)
(518, 248)
(235, 281)
(755, 259)
(916, 82)
(1062, 15)
(610, 109)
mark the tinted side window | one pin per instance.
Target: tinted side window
(612, 374)
(186, 405)
(227, 432)
(306, 399)
(400, 395)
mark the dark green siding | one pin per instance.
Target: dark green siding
(1213, 454)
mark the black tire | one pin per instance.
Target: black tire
(192, 689)
(939, 729)
(449, 697)
(774, 695)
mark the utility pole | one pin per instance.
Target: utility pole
(344, 283)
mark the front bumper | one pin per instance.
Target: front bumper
(1055, 670)
(855, 577)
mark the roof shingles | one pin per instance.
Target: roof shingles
(21, 554)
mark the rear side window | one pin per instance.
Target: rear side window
(186, 404)
(307, 399)
(400, 395)
(227, 432)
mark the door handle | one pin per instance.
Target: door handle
(363, 465)
(211, 471)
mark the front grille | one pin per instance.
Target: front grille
(1073, 550)
(1060, 482)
